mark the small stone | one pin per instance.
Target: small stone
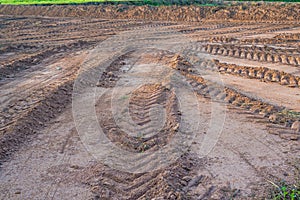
(284, 81)
(171, 195)
(191, 70)
(108, 183)
(176, 127)
(183, 182)
(273, 118)
(168, 87)
(296, 126)
(187, 178)
(263, 114)
(99, 84)
(59, 68)
(74, 166)
(275, 77)
(110, 74)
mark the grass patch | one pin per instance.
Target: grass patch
(271, 0)
(284, 191)
(290, 114)
(281, 190)
(124, 97)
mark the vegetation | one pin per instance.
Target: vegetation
(274, 0)
(283, 191)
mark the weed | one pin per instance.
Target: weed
(284, 191)
(290, 114)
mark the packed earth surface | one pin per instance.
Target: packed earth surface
(90, 94)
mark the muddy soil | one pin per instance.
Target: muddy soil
(245, 82)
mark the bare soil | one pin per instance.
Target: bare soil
(240, 62)
(247, 11)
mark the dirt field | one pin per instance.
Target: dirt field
(90, 94)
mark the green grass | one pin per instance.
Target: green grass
(283, 191)
(272, 0)
(290, 114)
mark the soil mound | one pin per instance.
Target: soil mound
(252, 12)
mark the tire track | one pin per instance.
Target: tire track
(260, 73)
(263, 54)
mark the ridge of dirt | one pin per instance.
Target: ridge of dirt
(156, 95)
(263, 12)
(261, 73)
(24, 117)
(15, 66)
